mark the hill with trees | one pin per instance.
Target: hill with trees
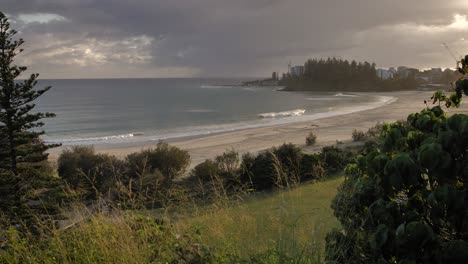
(335, 74)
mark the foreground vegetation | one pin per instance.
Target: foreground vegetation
(265, 228)
(403, 199)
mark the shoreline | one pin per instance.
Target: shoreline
(328, 129)
(269, 119)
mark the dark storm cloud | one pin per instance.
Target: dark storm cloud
(103, 38)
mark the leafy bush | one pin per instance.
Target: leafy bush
(335, 159)
(358, 135)
(228, 162)
(276, 167)
(405, 199)
(312, 167)
(205, 171)
(170, 161)
(311, 139)
(82, 169)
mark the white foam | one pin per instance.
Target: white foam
(270, 119)
(296, 112)
(346, 95)
(95, 139)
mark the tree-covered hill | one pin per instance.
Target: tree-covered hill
(335, 74)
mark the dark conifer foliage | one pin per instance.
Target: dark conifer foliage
(333, 74)
(22, 152)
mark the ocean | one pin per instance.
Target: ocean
(115, 111)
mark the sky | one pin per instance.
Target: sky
(230, 38)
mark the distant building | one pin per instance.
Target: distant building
(434, 75)
(384, 74)
(274, 76)
(296, 70)
(405, 72)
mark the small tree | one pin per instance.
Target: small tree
(21, 148)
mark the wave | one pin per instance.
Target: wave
(250, 89)
(346, 95)
(267, 119)
(297, 112)
(96, 139)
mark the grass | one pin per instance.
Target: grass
(278, 227)
(293, 223)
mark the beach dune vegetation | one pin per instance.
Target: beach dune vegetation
(404, 200)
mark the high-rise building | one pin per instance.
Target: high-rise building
(296, 70)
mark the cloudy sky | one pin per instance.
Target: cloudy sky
(224, 38)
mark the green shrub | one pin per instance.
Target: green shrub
(311, 139)
(404, 200)
(358, 135)
(205, 171)
(171, 162)
(312, 167)
(275, 167)
(335, 159)
(228, 162)
(84, 170)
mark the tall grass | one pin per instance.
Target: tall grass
(280, 227)
(224, 223)
(291, 224)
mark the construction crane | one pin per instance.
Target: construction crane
(453, 55)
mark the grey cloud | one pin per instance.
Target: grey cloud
(229, 38)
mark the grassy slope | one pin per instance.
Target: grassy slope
(290, 224)
(293, 222)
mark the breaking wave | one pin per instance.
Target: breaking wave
(262, 120)
(297, 112)
(95, 139)
(346, 95)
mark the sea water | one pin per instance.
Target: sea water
(110, 111)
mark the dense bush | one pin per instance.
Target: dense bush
(405, 199)
(312, 167)
(205, 171)
(311, 139)
(170, 161)
(335, 159)
(141, 177)
(90, 173)
(276, 167)
(217, 179)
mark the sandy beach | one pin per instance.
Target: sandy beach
(328, 131)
